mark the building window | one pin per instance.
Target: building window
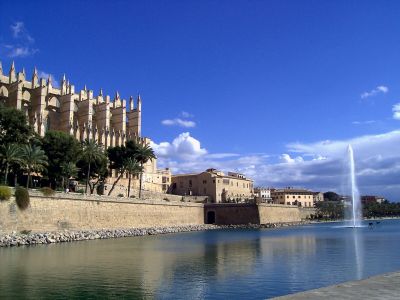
(214, 181)
(204, 181)
(225, 181)
(190, 183)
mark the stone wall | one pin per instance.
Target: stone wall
(82, 212)
(231, 214)
(276, 213)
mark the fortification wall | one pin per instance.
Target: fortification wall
(79, 212)
(275, 213)
(231, 214)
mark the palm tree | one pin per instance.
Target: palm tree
(10, 154)
(91, 152)
(34, 160)
(143, 153)
(68, 170)
(133, 167)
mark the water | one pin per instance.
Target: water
(221, 264)
(355, 195)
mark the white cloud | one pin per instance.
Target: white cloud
(21, 43)
(321, 165)
(378, 90)
(45, 75)
(20, 51)
(179, 122)
(363, 122)
(186, 115)
(396, 111)
(287, 159)
(182, 147)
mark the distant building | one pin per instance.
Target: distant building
(372, 199)
(293, 196)
(263, 194)
(318, 197)
(219, 187)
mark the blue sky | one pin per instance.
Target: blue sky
(254, 86)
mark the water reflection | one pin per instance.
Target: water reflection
(249, 264)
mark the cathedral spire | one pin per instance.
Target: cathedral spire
(1, 68)
(131, 106)
(35, 78)
(139, 103)
(101, 92)
(12, 76)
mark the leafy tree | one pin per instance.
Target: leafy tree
(116, 156)
(14, 128)
(68, 170)
(91, 152)
(10, 155)
(94, 174)
(331, 196)
(33, 160)
(133, 168)
(62, 149)
(143, 154)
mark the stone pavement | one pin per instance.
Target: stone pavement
(386, 286)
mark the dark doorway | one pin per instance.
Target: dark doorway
(210, 217)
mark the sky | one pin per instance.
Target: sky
(276, 90)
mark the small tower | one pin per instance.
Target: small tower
(1, 69)
(139, 103)
(63, 85)
(131, 106)
(35, 78)
(12, 75)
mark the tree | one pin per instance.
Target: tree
(61, 150)
(10, 155)
(14, 128)
(96, 174)
(91, 151)
(33, 160)
(68, 170)
(133, 168)
(116, 156)
(331, 196)
(143, 154)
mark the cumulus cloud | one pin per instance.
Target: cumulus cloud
(178, 122)
(183, 147)
(20, 44)
(287, 159)
(321, 166)
(396, 111)
(380, 89)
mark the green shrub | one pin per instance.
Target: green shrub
(5, 193)
(22, 197)
(46, 191)
(81, 191)
(120, 195)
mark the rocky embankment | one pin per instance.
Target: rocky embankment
(20, 239)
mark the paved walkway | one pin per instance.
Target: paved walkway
(385, 286)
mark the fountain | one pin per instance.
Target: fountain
(355, 195)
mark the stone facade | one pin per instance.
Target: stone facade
(292, 196)
(111, 122)
(214, 184)
(88, 212)
(84, 213)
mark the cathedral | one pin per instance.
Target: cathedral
(111, 122)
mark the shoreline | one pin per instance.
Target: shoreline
(42, 238)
